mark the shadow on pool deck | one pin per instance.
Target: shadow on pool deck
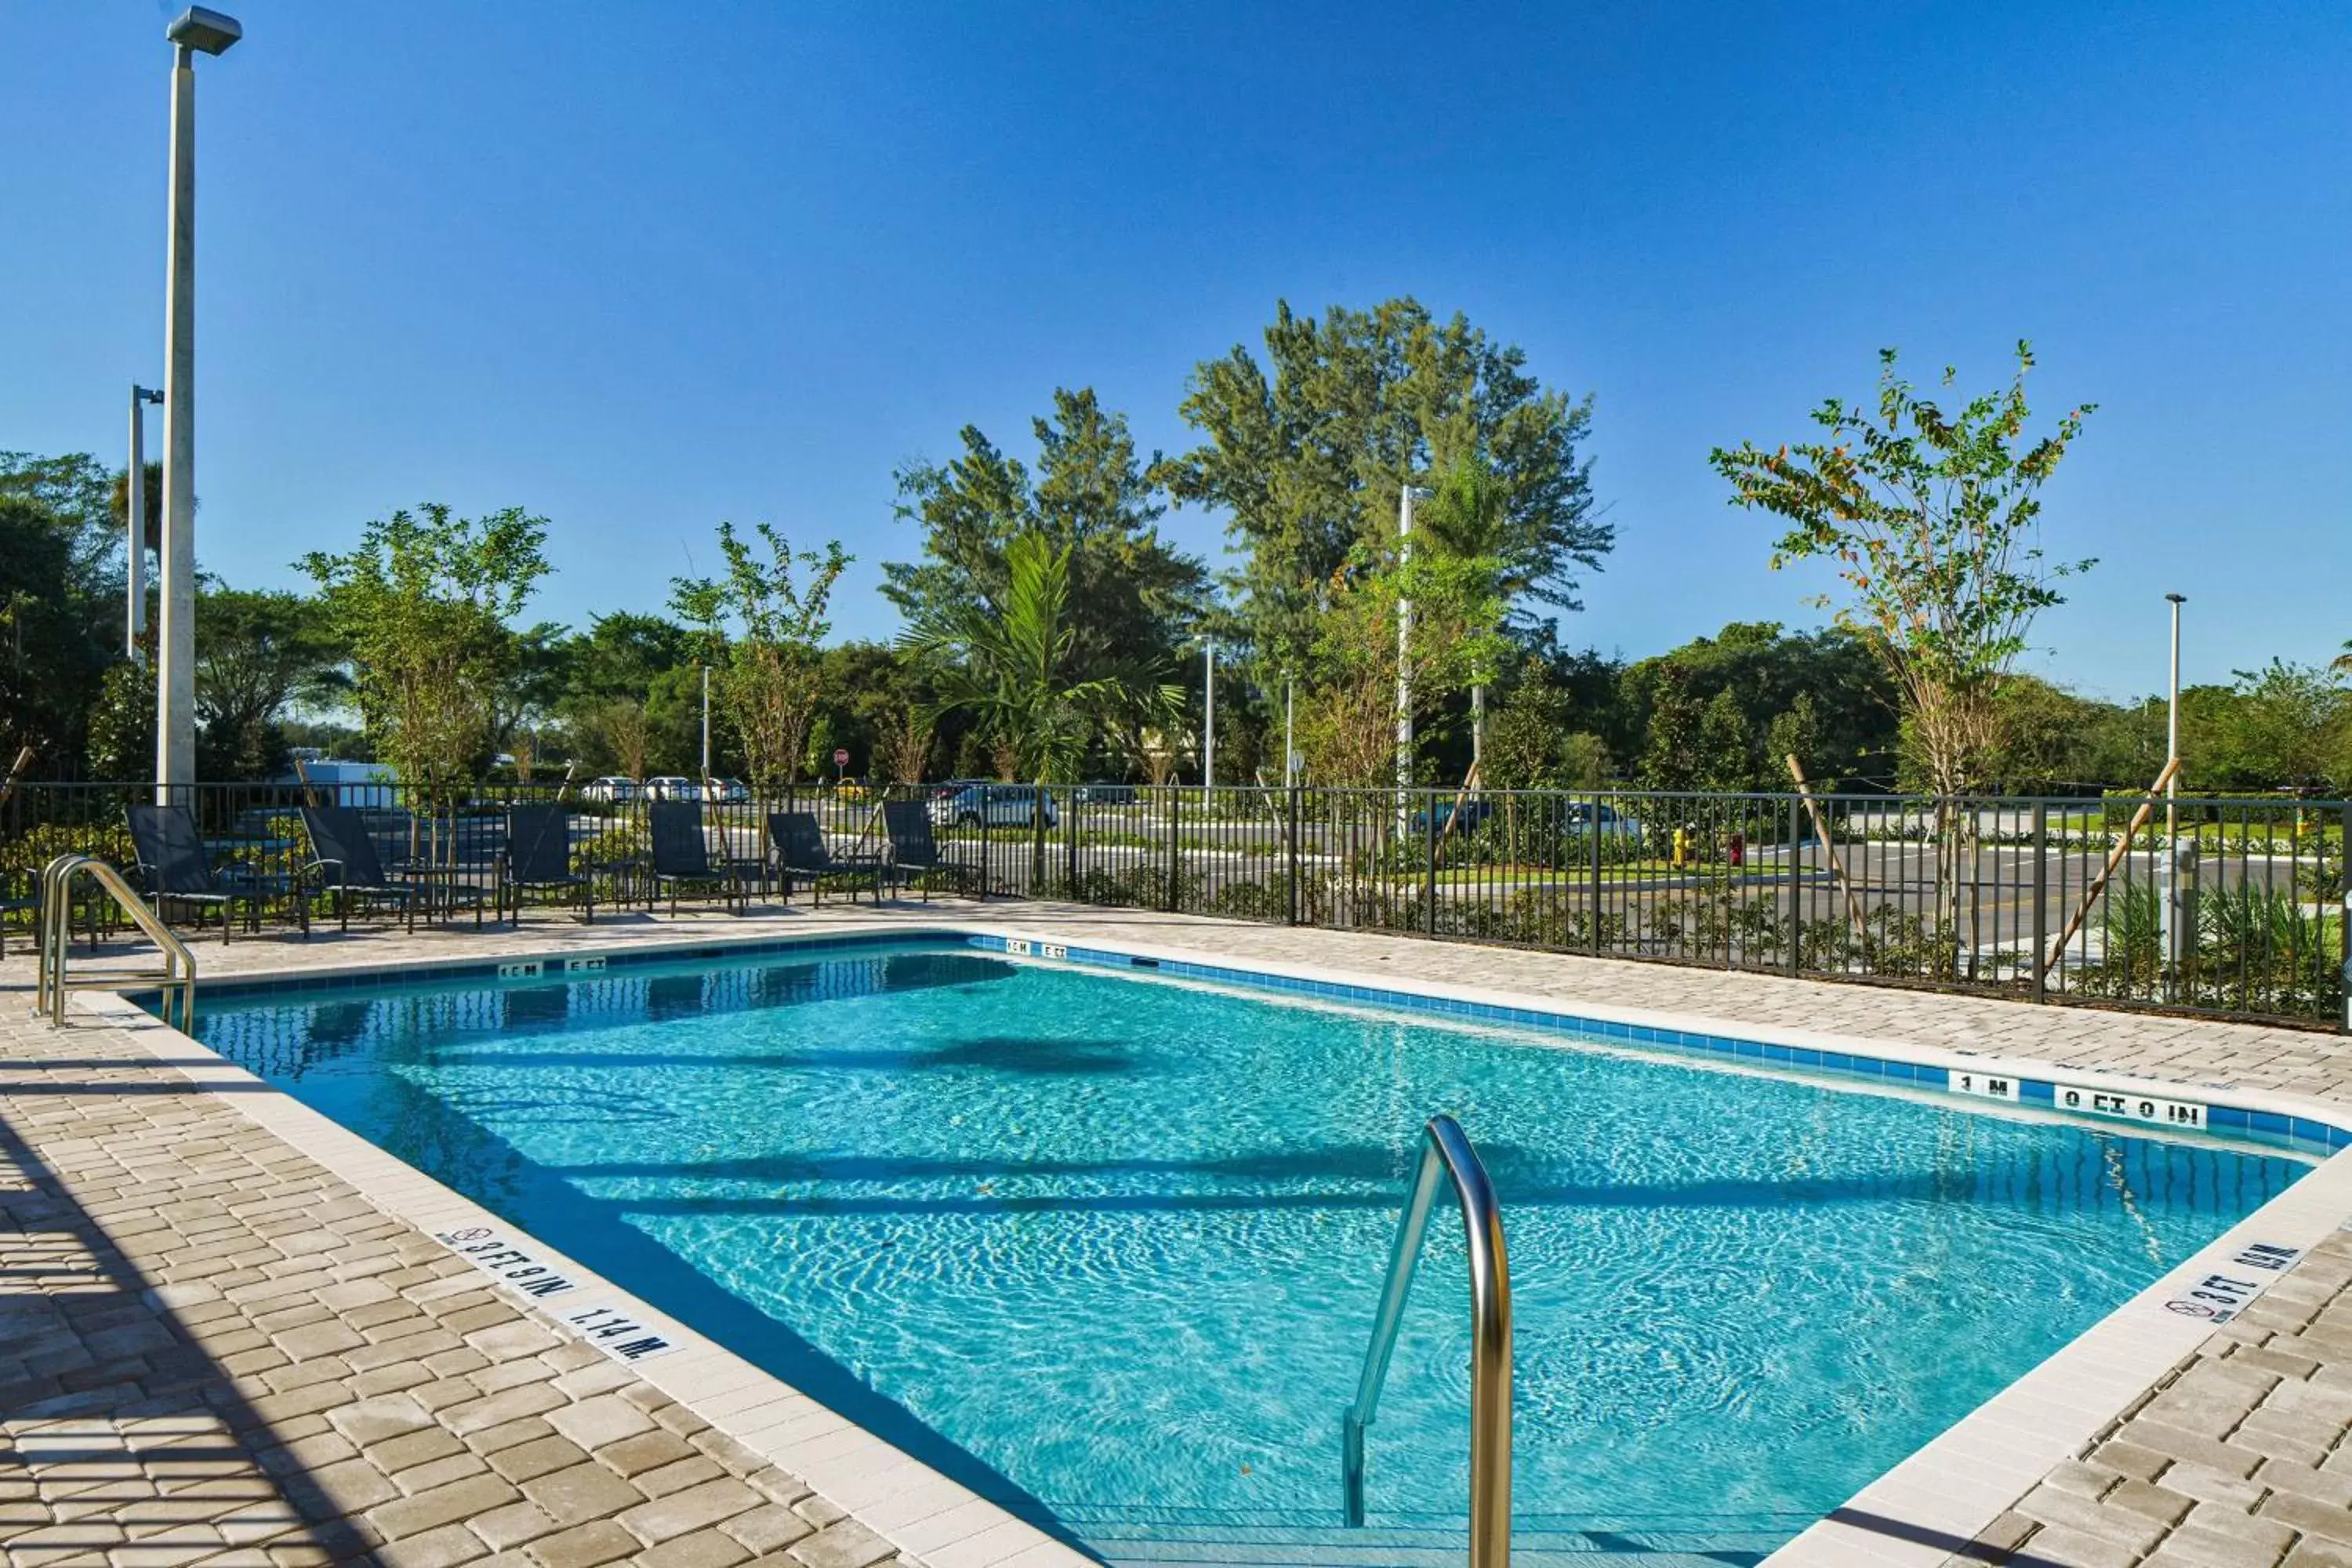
(110, 1410)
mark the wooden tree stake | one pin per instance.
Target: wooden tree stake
(1829, 847)
(2099, 883)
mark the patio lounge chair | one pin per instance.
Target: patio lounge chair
(342, 852)
(799, 848)
(681, 855)
(179, 870)
(539, 855)
(915, 853)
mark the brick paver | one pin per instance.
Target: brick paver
(212, 1351)
(270, 1369)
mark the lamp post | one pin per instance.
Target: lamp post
(2179, 863)
(134, 511)
(1208, 723)
(705, 724)
(1290, 717)
(197, 30)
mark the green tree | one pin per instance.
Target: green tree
(1026, 670)
(1307, 451)
(60, 605)
(257, 654)
(122, 736)
(2284, 726)
(1931, 517)
(761, 625)
(1525, 738)
(1726, 760)
(1132, 595)
(1796, 732)
(1670, 755)
(423, 605)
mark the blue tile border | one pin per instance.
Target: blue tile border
(2298, 1134)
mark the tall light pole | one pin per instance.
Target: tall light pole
(2172, 719)
(1209, 723)
(134, 511)
(1290, 717)
(2179, 865)
(197, 31)
(1404, 650)
(706, 723)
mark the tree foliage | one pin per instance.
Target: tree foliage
(1932, 521)
(761, 623)
(1132, 595)
(1306, 453)
(423, 605)
(1026, 671)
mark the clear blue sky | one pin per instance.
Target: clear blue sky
(643, 266)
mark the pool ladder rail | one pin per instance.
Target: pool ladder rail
(176, 979)
(1446, 1151)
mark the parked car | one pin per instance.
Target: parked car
(1463, 817)
(991, 806)
(610, 790)
(669, 787)
(731, 791)
(1613, 825)
(1104, 794)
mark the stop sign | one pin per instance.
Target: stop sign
(841, 756)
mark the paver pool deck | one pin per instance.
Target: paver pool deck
(228, 1335)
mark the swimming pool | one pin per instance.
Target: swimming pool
(1106, 1247)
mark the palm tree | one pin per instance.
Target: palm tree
(1022, 668)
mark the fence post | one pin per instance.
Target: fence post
(1593, 833)
(2041, 899)
(1428, 888)
(1294, 854)
(1796, 886)
(1175, 862)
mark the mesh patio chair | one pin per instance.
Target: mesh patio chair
(915, 853)
(539, 857)
(178, 869)
(343, 856)
(797, 847)
(681, 857)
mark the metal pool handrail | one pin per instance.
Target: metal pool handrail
(176, 978)
(1446, 1150)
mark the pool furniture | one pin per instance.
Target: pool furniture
(178, 869)
(915, 854)
(539, 856)
(344, 855)
(798, 847)
(681, 857)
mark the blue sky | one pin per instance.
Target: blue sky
(643, 266)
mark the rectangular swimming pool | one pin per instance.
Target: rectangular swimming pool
(1106, 1247)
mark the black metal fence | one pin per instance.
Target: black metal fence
(2226, 906)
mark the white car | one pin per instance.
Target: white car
(732, 791)
(670, 786)
(610, 790)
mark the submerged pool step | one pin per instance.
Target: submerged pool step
(1209, 1546)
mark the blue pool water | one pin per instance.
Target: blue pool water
(1108, 1247)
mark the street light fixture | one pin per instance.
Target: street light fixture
(195, 31)
(205, 30)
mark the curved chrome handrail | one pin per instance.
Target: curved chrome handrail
(176, 980)
(1446, 1150)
